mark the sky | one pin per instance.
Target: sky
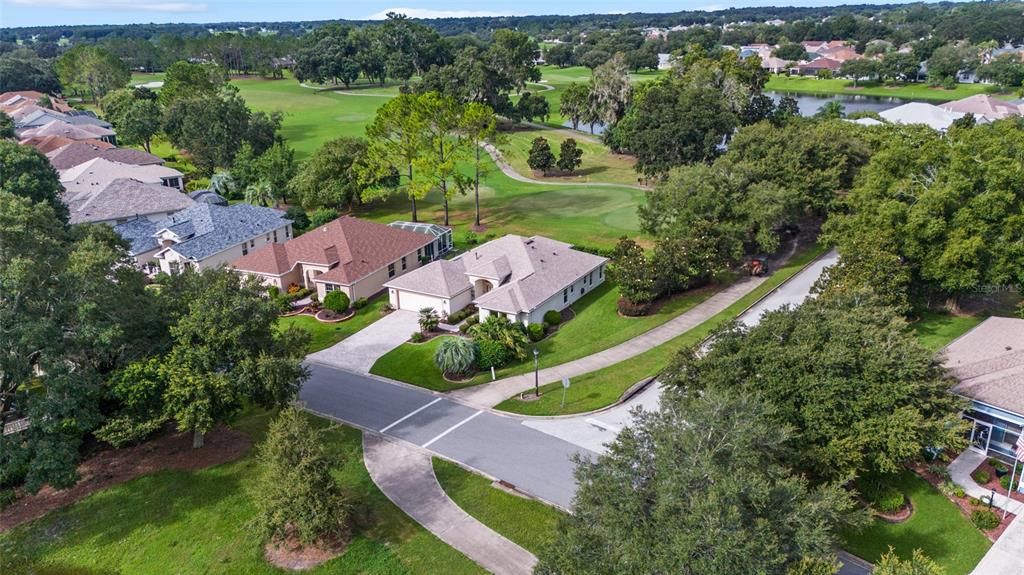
(14, 13)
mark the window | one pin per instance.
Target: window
(404, 265)
(419, 253)
(331, 287)
(245, 250)
(252, 243)
(600, 272)
(391, 270)
(565, 295)
(175, 268)
(591, 277)
(268, 237)
(288, 232)
(275, 236)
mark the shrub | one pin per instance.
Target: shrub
(295, 494)
(471, 238)
(360, 303)
(467, 325)
(417, 337)
(491, 354)
(498, 328)
(273, 292)
(1005, 482)
(455, 356)
(999, 466)
(948, 488)
(7, 496)
(336, 301)
(939, 470)
(429, 320)
(631, 309)
(300, 221)
(882, 496)
(535, 331)
(552, 317)
(981, 476)
(386, 309)
(322, 216)
(294, 288)
(985, 519)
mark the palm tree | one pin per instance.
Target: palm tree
(455, 356)
(260, 193)
(832, 109)
(428, 320)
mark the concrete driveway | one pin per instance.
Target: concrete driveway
(362, 349)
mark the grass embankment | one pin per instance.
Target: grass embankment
(597, 326)
(599, 164)
(909, 91)
(937, 527)
(198, 523)
(324, 335)
(526, 522)
(604, 387)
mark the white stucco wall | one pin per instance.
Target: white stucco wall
(577, 289)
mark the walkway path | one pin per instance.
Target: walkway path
(406, 476)
(1006, 557)
(960, 472)
(361, 350)
(491, 394)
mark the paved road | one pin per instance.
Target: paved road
(500, 446)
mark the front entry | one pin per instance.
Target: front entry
(980, 436)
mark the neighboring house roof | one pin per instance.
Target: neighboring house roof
(840, 53)
(774, 63)
(208, 197)
(98, 172)
(47, 144)
(33, 96)
(822, 63)
(921, 113)
(78, 153)
(40, 117)
(81, 132)
(204, 229)
(123, 198)
(989, 362)
(867, 122)
(441, 278)
(434, 230)
(350, 247)
(983, 105)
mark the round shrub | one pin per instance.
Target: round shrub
(417, 337)
(455, 356)
(985, 519)
(491, 354)
(552, 317)
(1005, 482)
(981, 476)
(273, 292)
(535, 331)
(888, 500)
(336, 301)
(360, 303)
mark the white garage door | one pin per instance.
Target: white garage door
(415, 302)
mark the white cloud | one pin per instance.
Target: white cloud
(427, 13)
(116, 5)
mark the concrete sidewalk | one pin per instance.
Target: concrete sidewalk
(960, 472)
(491, 394)
(406, 477)
(1006, 557)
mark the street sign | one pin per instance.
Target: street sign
(565, 382)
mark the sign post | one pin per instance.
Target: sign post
(565, 387)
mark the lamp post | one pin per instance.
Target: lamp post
(536, 372)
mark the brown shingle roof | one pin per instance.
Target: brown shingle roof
(351, 247)
(81, 152)
(989, 362)
(46, 144)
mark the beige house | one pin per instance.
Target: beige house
(348, 254)
(518, 277)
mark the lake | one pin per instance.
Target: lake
(810, 103)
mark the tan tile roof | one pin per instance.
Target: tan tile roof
(989, 362)
(351, 247)
(985, 106)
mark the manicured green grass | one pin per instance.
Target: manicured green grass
(912, 91)
(599, 163)
(936, 330)
(597, 326)
(527, 522)
(198, 523)
(937, 527)
(604, 387)
(324, 335)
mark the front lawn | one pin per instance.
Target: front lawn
(936, 330)
(324, 335)
(597, 326)
(197, 523)
(605, 386)
(937, 527)
(527, 522)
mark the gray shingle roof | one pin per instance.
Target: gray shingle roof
(441, 278)
(209, 197)
(123, 198)
(80, 152)
(989, 363)
(208, 229)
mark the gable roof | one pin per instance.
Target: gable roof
(123, 198)
(46, 144)
(350, 247)
(79, 132)
(984, 106)
(921, 113)
(204, 229)
(98, 172)
(33, 96)
(80, 152)
(989, 362)
(441, 278)
(822, 63)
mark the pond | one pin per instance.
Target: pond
(810, 103)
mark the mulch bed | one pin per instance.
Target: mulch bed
(968, 504)
(293, 556)
(900, 516)
(328, 316)
(115, 466)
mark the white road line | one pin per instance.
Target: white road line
(410, 414)
(451, 429)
